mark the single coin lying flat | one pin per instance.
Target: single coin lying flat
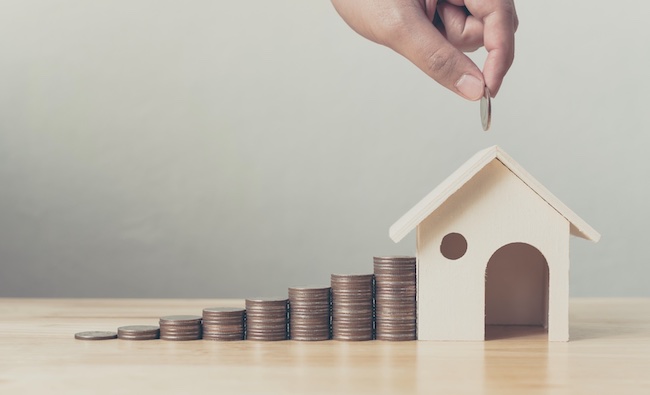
(95, 335)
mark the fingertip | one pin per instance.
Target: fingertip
(494, 88)
(470, 87)
(494, 72)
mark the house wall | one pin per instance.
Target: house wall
(493, 209)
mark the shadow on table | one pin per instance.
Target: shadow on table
(519, 332)
(577, 332)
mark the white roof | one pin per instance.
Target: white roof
(469, 169)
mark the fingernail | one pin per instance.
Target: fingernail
(470, 87)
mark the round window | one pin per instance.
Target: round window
(453, 246)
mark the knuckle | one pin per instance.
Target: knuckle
(509, 10)
(470, 47)
(440, 63)
(516, 22)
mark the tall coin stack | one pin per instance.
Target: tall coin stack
(352, 307)
(223, 323)
(266, 319)
(309, 313)
(180, 327)
(395, 298)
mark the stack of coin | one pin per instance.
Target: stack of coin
(223, 323)
(395, 298)
(352, 306)
(180, 327)
(138, 332)
(266, 319)
(309, 313)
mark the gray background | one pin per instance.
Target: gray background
(232, 149)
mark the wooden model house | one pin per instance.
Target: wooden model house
(492, 249)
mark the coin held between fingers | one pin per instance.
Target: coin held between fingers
(486, 110)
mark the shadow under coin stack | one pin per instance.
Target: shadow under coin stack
(138, 332)
(266, 319)
(395, 298)
(180, 327)
(309, 313)
(352, 307)
(223, 323)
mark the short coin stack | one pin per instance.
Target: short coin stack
(352, 307)
(180, 327)
(138, 332)
(309, 313)
(395, 301)
(223, 323)
(266, 319)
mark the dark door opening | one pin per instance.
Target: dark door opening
(516, 293)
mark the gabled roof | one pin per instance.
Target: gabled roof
(469, 169)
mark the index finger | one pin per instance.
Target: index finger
(500, 23)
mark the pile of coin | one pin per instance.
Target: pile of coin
(309, 313)
(138, 332)
(223, 323)
(395, 298)
(352, 307)
(180, 327)
(266, 319)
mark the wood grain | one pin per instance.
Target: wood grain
(609, 353)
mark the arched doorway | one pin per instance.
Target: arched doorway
(516, 292)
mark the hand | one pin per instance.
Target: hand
(433, 34)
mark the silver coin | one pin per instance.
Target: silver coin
(180, 338)
(354, 338)
(138, 332)
(394, 259)
(223, 312)
(225, 338)
(211, 324)
(95, 335)
(266, 301)
(309, 289)
(311, 338)
(138, 337)
(233, 327)
(266, 337)
(181, 320)
(164, 332)
(486, 110)
(138, 329)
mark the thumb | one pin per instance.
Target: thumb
(420, 42)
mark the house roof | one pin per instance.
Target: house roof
(469, 169)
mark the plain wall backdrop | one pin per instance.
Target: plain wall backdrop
(229, 149)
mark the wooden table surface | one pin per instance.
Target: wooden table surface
(609, 354)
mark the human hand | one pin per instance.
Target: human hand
(433, 34)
